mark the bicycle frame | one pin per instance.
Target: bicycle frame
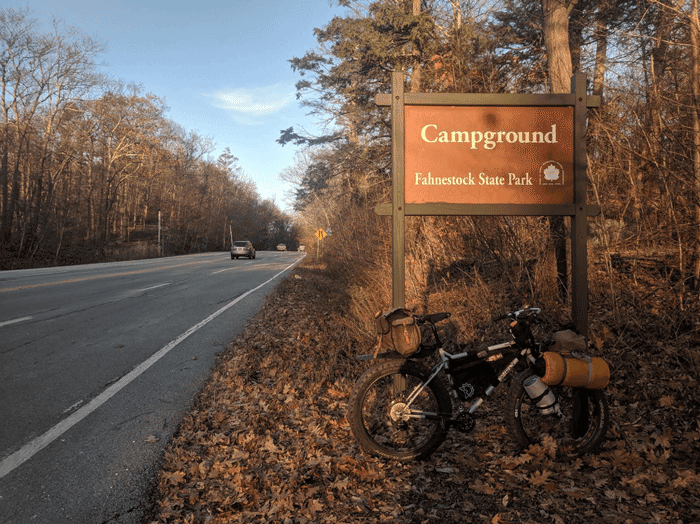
(445, 358)
(485, 355)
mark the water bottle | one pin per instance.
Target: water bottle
(540, 394)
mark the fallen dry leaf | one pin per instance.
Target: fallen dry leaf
(267, 441)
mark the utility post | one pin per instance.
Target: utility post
(160, 247)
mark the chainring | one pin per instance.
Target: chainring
(463, 422)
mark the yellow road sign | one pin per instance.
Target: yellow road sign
(320, 234)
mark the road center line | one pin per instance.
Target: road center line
(222, 270)
(108, 275)
(33, 447)
(14, 321)
(152, 287)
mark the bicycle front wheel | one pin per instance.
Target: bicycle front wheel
(578, 429)
(394, 414)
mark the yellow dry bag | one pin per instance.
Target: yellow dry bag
(576, 370)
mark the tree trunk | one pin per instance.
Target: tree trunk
(456, 15)
(576, 25)
(556, 41)
(601, 54)
(14, 200)
(37, 210)
(5, 183)
(694, 23)
(556, 37)
(417, 67)
(648, 179)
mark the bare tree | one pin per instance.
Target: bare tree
(40, 74)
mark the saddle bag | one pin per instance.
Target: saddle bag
(397, 330)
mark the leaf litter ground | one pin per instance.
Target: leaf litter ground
(267, 441)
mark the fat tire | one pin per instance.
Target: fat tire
(521, 413)
(373, 390)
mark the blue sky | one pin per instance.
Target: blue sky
(221, 66)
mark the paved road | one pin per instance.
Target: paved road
(98, 364)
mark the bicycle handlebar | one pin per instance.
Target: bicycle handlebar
(434, 318)
(513, 315)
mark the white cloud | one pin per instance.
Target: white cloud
(246, 103)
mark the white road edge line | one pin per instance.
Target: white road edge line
(33, 447)
(14, 321)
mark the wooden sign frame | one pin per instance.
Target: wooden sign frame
(579, 210)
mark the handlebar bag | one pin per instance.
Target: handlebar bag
(568, 341)
(397, 330)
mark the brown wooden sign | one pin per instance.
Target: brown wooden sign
(489, 155)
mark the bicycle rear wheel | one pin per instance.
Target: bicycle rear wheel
(580, 429)
(382, 422)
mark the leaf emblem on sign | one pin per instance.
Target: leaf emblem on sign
(551, 173)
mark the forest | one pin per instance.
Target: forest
(92, 169)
